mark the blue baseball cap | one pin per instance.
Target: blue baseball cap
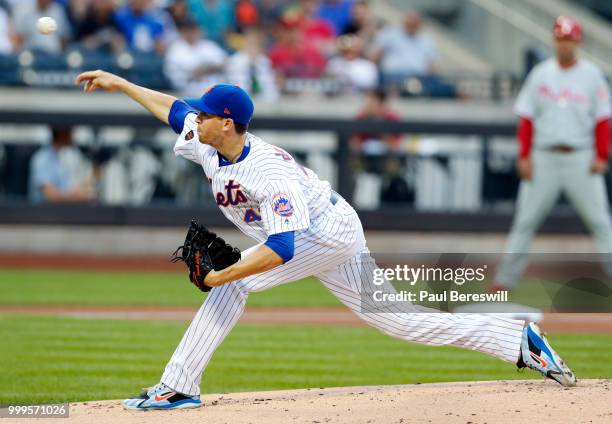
(228, 101)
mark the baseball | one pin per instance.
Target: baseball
(46, 25)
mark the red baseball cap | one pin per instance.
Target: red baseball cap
(567, 28)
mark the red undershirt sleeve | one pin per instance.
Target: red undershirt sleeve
(524, 134)
(602, 139)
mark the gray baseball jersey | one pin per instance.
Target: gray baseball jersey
(564, 104)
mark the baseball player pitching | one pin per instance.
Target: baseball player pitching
(563, 133)
(302, 228)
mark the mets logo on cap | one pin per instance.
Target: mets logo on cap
(282, 205)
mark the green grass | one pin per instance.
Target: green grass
(112, 288)
(53, 287)
(57, 359)
(53, 359)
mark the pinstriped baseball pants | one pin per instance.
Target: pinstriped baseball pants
(334, 251)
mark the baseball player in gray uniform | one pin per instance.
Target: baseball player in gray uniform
(563, 133)
(301, 228)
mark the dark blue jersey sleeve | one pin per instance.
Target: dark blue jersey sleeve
(177, 114)
(283, 245)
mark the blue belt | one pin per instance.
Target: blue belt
(334, 197)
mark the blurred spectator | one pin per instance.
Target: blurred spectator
(270, 12)
(363, 22)
(378, 163)
(315, 29)
(179, 12)
(141, 27)
(6, 30)
(294, 56)
(76, 11)
(395, 188)
(336, 12)
(59, 172)
(27, 36)
(215, 17)
(193, 64)
(95, 27)
(404, 52)
(250, 69)
(246, 15)
(376, 108)
(354, 71)
(170, 30)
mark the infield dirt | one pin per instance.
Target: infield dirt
(465, 403)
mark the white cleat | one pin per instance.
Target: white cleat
(161, 396)
(538, 355)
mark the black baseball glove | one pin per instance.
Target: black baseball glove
(202, 252)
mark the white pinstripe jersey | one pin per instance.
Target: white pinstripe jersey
(265, 193)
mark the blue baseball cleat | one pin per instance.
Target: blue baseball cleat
(161, 396)
(537, 354)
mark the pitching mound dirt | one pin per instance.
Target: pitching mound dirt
(480, 402)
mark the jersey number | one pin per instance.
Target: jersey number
(251, 216)
(287, 157)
